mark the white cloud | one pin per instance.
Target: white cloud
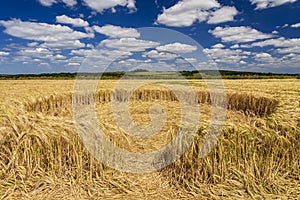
(47, 2)
(42, 31)
(239, 34)
(181, 19)
(36, 52)
(296, 25)
(77, 59)
(186, 12)
(207, 65)
(4, 53)
(129, 44)
(295, 49)
(246, 46)
(262, 4)
(278, 42)
(101, 5)
(32, 44)
(83, 52)
(117, 31)
(224, 14)
(229, 56)
(291, 60)
(218, 46)
(98, 59)
(59, 56)
(70, 2)
(242, 62)
(101, 54)
(191, 60)
(91, 46)
(285, 25)
(77, 22)
(157, 66)
(51, 2)
(264, 57)
(68, 44)
(236, 46)
(44, 64)
(38, 55)
(58, 59)
(177, 48)
(154, 54)
(284, 46)
(131, 5)
(73, 64)
(131, 64)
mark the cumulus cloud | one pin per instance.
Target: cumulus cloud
(129, 44)
(4, 53)
(186, 12)
(283, 45)
(42, 31)
(236, 46)
(75, 58)
(262, 4)
(296, 25)
(101, 54)
(32, 44)
(64, 44)
(224, 14)
(191, 60)
(101, 5)
(239, 34)
(59, 56)
(36, 53)
(289, 50)
(77, 22)
(154, 54)
(117, 31)
(47, 2)
(44, 64)
(177, 48)
(51, 2)
(291, 60)
(70, 2)
(278, 42)
(132, 64)
(131, 5)
(263, 57)
(229, 56)
(73, 64)
(33, 51)
(242, 62)
(218, 46)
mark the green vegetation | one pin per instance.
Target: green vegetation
(235, 75)
(144, 74)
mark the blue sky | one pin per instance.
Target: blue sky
(49, 36)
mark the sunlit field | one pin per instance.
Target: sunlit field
(256, 157)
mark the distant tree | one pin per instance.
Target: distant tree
(140, 70)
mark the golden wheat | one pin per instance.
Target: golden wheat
(248, 103)
(257, 155)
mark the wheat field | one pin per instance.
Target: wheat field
(256, 157)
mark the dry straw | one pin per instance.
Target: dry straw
(40, 152)
(248, 103)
